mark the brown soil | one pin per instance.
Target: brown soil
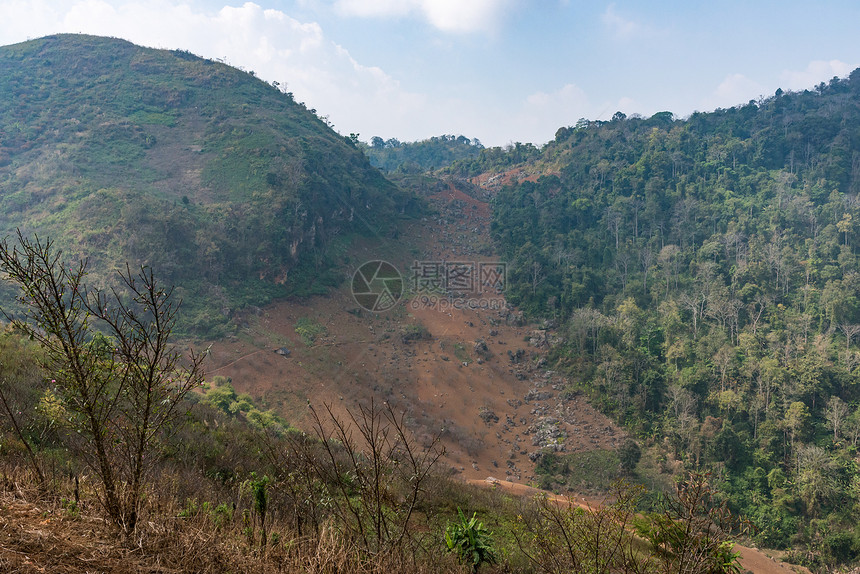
(493, 181)
(490, 405)
(440, 382)
(761, 562)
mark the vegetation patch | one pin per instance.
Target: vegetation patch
(309, 329)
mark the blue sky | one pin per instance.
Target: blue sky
(498, 70)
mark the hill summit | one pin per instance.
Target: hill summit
(223, 183)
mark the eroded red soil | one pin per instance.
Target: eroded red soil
(479, 375)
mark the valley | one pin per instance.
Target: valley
(658, 317)
(479, 374)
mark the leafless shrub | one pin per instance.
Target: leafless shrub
(559, 536)
(374, 475)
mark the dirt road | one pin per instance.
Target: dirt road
(752, 559)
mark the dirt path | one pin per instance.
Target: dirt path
(751, 559)
(757, 562)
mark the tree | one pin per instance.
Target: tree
(19, 393)
(850, 330)
(691, 533)
(387, 473)
(560, 537)
(836, 413)
(114, 369)
(816, 478)
(796, 418)
(629, 455)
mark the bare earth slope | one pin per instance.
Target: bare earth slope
(442, 382)
(478, 374)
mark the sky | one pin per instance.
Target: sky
(501, 71)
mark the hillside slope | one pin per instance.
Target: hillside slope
(221, 182)
(705, 275)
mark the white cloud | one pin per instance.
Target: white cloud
(277, 47)
(376, 8)
(734, 90)
(568, 97)
(816, 72)
(446, 15)
(543, 113)
(620, 27)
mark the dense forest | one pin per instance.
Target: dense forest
(430, 154)
(704, 274)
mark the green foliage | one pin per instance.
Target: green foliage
(596, 469)
(258, 486)
(495, 159)
(629, 455)
(118, 376)
(71, 507)
(414, 332)
(470, 541)
(226, 185)
(412, 157)
(704, 274)
(309, 330)
(222, 396)
(559, 536)
(690, 532)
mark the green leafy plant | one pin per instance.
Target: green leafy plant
(257, 486)
(309, 330)
(71, 507)
(471, 541)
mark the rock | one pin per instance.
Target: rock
(488, 416)
(535, 395)
(538, 338)
(517, 356)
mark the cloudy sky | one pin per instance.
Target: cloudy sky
(498, 70)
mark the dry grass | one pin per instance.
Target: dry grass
(48, 533)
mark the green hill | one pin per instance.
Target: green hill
(425, 155)
(224, 184)
(704, 274)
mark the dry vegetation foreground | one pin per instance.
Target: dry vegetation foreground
(42, 536)
(751, 559)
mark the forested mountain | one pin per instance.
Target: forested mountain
(430, 154)
(225, 184)
(704, 273)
